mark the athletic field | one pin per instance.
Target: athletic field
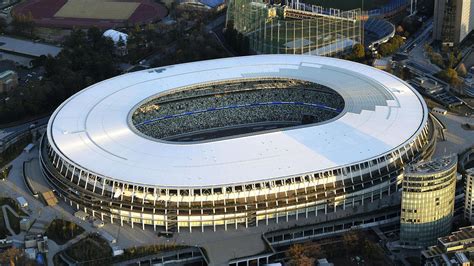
(88, 13)
(97, 9)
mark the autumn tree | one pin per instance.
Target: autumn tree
(351, 240)
(14, 256)
(297, 255)
(400, 29)
(449, 75)
(358, 51)
(462, 70)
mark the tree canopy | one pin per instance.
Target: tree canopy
(449, 75)
(391, 46)
(87, 58)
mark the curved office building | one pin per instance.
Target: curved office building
(235, 142)
(428, 201)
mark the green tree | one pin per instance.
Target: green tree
(358, 51)
(85, 59)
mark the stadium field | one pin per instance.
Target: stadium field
(97, 9)
(87, 13)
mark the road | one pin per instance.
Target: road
(458, 139)
(416, 51)
(4, 132)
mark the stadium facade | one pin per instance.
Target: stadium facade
(316, 136)
(296, 28)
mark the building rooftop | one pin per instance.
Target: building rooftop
(457, 242)
(432, 166)
(464, 233)
(28, 48)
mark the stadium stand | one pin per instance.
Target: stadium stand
(377, 31)
(220, 106)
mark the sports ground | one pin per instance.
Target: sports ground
(87, 13)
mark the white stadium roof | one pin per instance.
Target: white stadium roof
(381, 114)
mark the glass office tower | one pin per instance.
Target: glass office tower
(428, 201)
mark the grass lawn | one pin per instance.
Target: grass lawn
(61, 231)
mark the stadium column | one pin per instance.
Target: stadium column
(87, 181)
(113, 189)
(123, 191)
(95, 184)
(200, 218)
(189, 218)
(56, 160)
(62, 166)
(266, 208)
(72, 173)
(419, 143)
(386, 163)
(400, 155)
(307, 180)
(166, 219)
(286, 205)
(103, 187)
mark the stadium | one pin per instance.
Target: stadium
(87, 13)
(236, 142)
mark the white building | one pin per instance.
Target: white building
(119, 39)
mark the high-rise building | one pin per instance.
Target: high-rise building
(469, 195)
(453, 20)
(427, 201)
